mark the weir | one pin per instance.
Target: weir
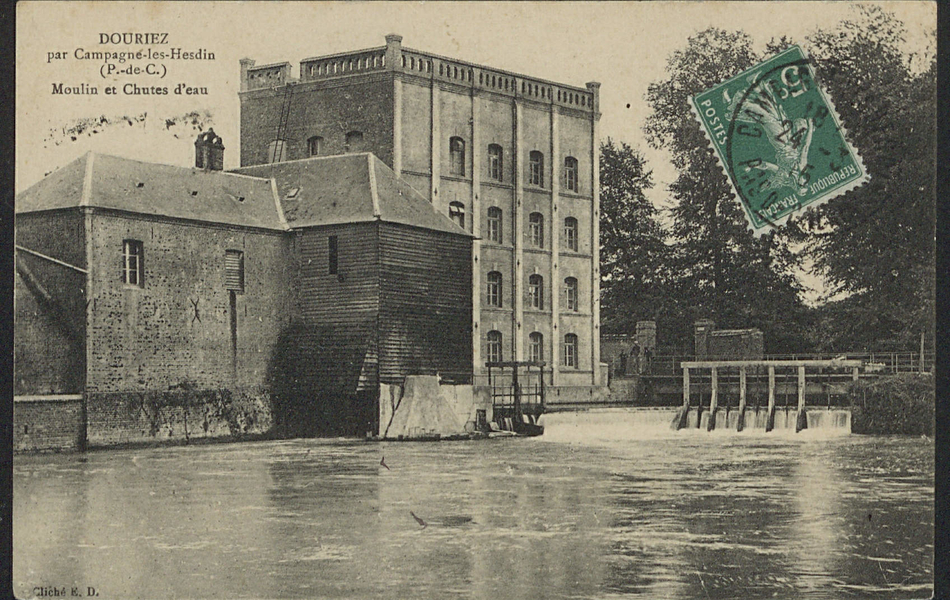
(770, 416)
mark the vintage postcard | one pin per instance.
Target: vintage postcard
(474, 300)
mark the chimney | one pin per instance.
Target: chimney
(209, 151)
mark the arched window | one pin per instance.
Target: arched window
(277, 151)
(535, 347)
(494, 224)
(315, 146)
(536, 229)
(536, 292)
(536, 168)
(570, 173)
(494, 162)
(457, 156)
(493, 348)
(354, 142)
(570, 233)
(569, 354)
(493, 291)
(457, 213)
(570, 290)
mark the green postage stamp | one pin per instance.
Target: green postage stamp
(779, 140)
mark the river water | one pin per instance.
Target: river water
(604, 505)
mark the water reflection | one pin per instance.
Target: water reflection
(675, 515)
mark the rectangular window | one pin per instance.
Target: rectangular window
(234, 271)
(332, 254)
(133, 269)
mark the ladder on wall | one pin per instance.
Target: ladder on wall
(280, 145)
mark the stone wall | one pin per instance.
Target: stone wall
(47, 423)
(181, 415)
(175, 329)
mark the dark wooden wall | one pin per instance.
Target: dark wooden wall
(425, 302)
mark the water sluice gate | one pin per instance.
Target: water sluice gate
(718, 414)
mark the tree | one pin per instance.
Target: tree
(875, 245)
(632, 251)
(722, 271)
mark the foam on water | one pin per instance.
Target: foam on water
(613, 424)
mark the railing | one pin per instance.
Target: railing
(873, 362)
(501, 82)
(265, 76)
(338, 65)
(446, 69)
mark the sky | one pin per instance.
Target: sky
(623, 45)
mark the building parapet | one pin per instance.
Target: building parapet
(393, 57)
(264, 76)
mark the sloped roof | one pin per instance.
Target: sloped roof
(349, 188)
(104, 181)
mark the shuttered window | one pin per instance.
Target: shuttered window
(234, 270)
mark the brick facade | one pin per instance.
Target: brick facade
(410, 106)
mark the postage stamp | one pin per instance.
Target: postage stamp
(779, 140)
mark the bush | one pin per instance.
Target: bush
(898, 404)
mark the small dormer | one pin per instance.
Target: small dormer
(209, 151)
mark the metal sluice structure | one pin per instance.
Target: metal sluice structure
(517, 393)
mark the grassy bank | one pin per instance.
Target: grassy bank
(899, 404)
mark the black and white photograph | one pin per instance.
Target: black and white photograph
(475, 300)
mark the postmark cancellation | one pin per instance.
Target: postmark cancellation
(779, 140)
